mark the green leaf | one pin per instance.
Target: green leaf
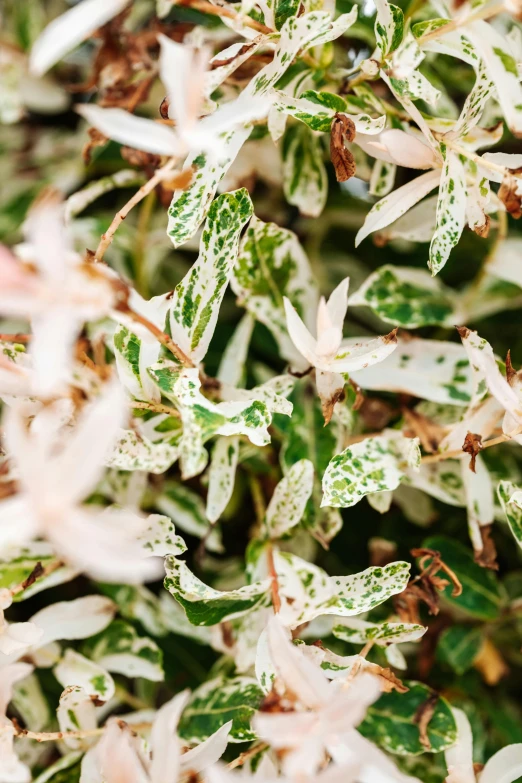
(373, 465)
(510, 498)
(204, 605)
(119, 649)
(305, 182)
(481, 596)
(458, 646)
(218, 701)
(197, 298)
(391, 722)
(406, 297)
(272, 264)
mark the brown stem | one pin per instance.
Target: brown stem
(486, 445)
(157, 407)
(38, 572)
(243, 757)
(15, 338)
(120, 216)
(276, 598)
(163, 338)
(219, 10)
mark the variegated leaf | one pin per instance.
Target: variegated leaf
(76, 712)
(186, 508)
(215, 703)
(76, 669)
(204, 605)
(451, 210)
(189, 207)
(290, 497)
(510, 497)
(120, 649)
(221, 476)
(373, 465)
(272, 264)
(430, 369)
(406, 297)
(305, 182)
(196, 300)
(361, 632)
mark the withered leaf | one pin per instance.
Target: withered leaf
(509, 194)
(343, 129)
(472, 445)
(422, 718)
(429, 433)
(483, 230)
(487, 557)
(387, 679)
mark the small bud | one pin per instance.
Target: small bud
(369, 67)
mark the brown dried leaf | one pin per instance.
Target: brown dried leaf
(429, 433)
(487, 557)
(483, 230)
(96, 139)
(387, 679)
(509, 193)
(343, 161)
(490, 663)
(422, 718)
(472, 445)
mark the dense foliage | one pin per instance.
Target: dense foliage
(248, 350)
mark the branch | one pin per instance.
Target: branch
(157, 407)
(120, 216)
(229, 13)
(163, 338)
(486, 445)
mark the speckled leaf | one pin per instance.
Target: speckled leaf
(221, 476)
(76, 712)
(433, 370)
(272, 264)
(510, 497)
(360, 632)
(202, 419)
(442, 480)
(215, 703)
(406, 297)
(134, 451)
(119, 649)
(317, 110)
(283, 10)
(305, 182)
(459, 645)
(308, 592)
(204, 605)
(492, 46)
(481, 595)
(389, 27)
(451, 210)
(189, 207)
(373, 465)
(196, 300)
(390, 722)
(415, 86)
(186, 508)
(382, 178)
(289, 499)
(75, 669)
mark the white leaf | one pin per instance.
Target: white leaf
(68, 30)
(451, 211)
(391, 207)
(133, 131)
(290, 497)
